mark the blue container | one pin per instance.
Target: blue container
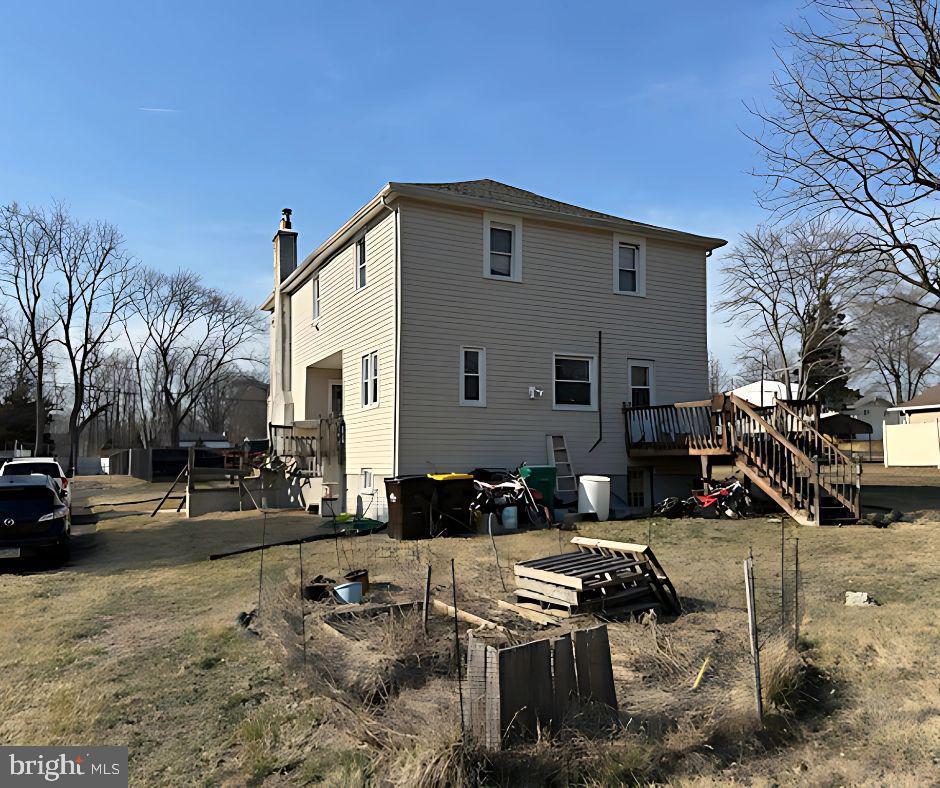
(349, 592)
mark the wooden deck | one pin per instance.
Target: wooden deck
(779, 448)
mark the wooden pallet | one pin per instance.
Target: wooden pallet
(600, 577)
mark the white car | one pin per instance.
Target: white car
(42, 466)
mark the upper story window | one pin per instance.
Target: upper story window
(316, 299)
(575, 382)
(629, 265)
(502, 247)
(473, 376)
(360, 263)
(370, 379)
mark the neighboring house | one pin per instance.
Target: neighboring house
(924, 407)
(456, 325)
(873, 409)
(765, 392)
(916, 440)
(249, 413)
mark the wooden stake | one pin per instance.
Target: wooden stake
(796, 594)
(752, 631)
(453, 577)
(701, 673)
(168, 492)
(264, 530)
(783, 590)
(427, 599)
(303, 620)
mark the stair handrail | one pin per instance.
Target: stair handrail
(744, 405)
(821, 437)
(843, 464)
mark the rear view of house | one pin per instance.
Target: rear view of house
(451, 326)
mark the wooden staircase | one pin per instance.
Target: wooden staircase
(779, 448)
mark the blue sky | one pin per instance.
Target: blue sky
(633, 108)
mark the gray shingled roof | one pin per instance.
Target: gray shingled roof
(487, 189)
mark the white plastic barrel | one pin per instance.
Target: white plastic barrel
(594, 496)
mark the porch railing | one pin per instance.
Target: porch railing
(681, 428)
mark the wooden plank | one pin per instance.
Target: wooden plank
(525, 689)
(467, 618)
(618, 565)
(553, 561)
(528, 613)
(552, 590)
(493, 736)
(475, 721)
(525, 593)
(595, 673)
(608, 603)
(586, 563)
(625, 546)
(548, 577)
(564, 681)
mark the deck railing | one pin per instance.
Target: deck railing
(681, 428)
(782, 441)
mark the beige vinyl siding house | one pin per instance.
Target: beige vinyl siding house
(564, 299)
(480, 301)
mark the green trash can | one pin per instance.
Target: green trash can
(541, 478)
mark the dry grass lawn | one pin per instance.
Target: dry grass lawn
(133, 642)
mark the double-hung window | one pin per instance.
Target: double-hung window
(575, 382)
(316, 299)
(629, 265)
(370, 379)
(360, 263)
(641, 383)
(502, 248)
(473, 376)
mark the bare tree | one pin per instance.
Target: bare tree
(90, 299)
(25, 261)
(898, 344)
(853, 133)
(718, 378)
(777, 281)
(190, 335)
(16, 357)
(217, 399)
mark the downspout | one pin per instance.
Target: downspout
(600, 395)
(395, 417)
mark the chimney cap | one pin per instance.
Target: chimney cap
(285, 218)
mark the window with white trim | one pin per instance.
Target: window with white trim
(575, 382)
(502, 248)
(361, 263)
(473, 376)
(370, 379)
(629, 265)
(316, 299)
(641, 383)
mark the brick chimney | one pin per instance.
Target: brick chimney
(285, 248)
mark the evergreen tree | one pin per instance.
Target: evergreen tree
(824, 369)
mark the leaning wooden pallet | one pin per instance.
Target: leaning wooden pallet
(600, 577)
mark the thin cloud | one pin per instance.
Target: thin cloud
(156, 109)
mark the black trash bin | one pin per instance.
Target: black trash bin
(409, 506)
(454, 492)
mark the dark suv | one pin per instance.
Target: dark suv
(33, 518)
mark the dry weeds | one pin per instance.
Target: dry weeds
(133, 643)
